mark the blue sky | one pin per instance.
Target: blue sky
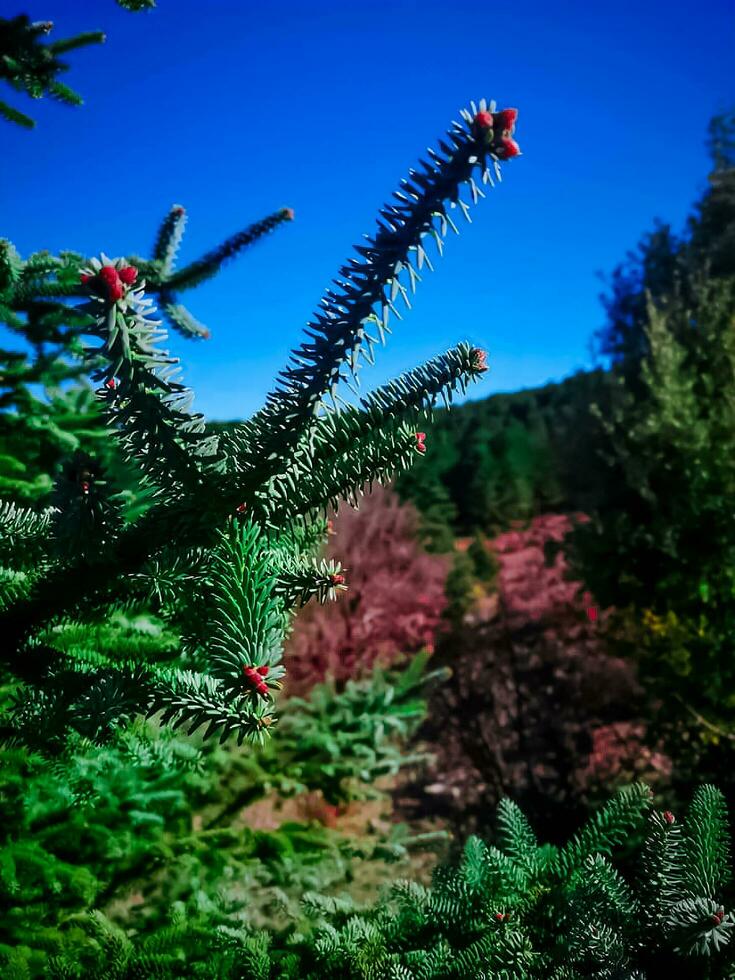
(235, 109)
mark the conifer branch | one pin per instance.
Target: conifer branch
(29, 65)
(210, 264)
(369, 285)
(142, 395)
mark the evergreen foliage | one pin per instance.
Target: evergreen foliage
(514, 909)
(509, 457)
(666, 513)
(30, 65)
(155, 814)
(233, 519)
(39, 430)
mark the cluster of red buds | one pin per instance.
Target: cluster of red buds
(669, 817)
(421, 442)
(255, 675)
(717, 917)
(496, 128)
(110, 282)
(336, 579)
(591, 610)
(479, 359)
(502, 916)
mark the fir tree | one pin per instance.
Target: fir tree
(234, 519)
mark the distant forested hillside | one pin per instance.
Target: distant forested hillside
(511, 456)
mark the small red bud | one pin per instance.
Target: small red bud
(508, 148)
(499, 916)
(716, 919)
(337, 579)
(111, 384)
(85, 486)
(241, 508)
(479, 359)
(84, 278)
(128, 274)
(178, 210)
(288, 214)
(263, 671)
(484, 120)
(506, 118)
(420, 442)
(669, 816)
(114, 291)
(108, 274)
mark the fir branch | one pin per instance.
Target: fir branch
(301, 490)
(169, 238)
(23, 533)
(29, 65)
(210, 264)
(142, 395)
(247, 625)
(608, 828)
(366, 293)
(706, 846)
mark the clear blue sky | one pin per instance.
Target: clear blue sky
(235, 109)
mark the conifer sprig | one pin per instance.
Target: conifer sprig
(30, 65)
(367, 287)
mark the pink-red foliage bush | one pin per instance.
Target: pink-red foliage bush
(534, 698)
(393, 604)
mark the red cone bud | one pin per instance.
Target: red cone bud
(84, 278)
(111, 384)
(115, 291)
(85, 486)
(479, 359)
(178, 210)
(508, 148)
(499, 916)
(337, 579)
(263, 671)
(108, 274)
(288, 214)
(420, 442)
(506, 118)
(128, 274)
(484, 120)
(669, 816)
(241, 508)
(716, 919)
